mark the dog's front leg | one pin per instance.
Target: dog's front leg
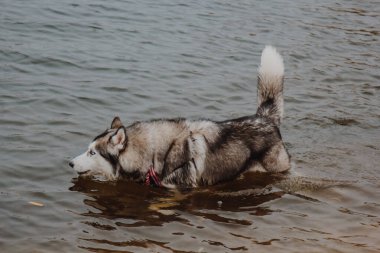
(185, 163)
(176, 156)
(185, 176)
(158, 162)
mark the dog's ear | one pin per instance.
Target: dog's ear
(119, 139)
(116, 123)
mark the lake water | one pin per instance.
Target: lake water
(68, 67)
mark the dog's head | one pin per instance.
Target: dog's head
(102, 155)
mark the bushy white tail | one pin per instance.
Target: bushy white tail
(270, 85)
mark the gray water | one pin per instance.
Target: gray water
(68, 67)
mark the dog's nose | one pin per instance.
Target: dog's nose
(71, 164)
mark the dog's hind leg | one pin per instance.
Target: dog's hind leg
(276, 159)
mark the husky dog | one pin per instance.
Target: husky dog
(186, 153)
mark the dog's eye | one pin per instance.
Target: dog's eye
(92, 152)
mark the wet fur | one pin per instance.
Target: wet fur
(193, 153)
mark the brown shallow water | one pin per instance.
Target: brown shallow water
(66, 68)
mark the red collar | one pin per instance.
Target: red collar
(151, 177)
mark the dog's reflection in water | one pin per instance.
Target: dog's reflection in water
(154, 206)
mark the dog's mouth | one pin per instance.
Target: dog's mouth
(82, 173)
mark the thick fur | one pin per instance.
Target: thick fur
(192, 153)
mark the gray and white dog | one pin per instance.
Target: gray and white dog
(186, 153)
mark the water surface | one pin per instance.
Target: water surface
(68, 67)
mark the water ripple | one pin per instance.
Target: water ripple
(67, 68)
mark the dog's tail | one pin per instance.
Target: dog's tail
(270, 85)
